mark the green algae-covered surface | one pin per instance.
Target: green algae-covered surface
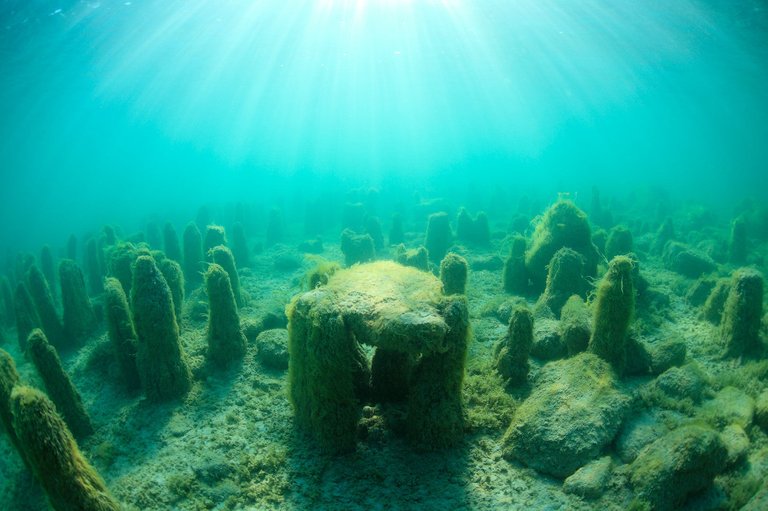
(388, 305)
(230, 442)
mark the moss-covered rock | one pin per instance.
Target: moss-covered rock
(512, 357)
(58, 385)
(415, 257)
(729, 406)
(687, 261)
(564, 279)
(736, 444)
(473, 230)
(481, 233)
(613, 311)
(638, 357)
(226, 341)
(681, 462)
(222, 256)
(120, 259)
(435, 416)
(562, 225)
(573, 413)
(699, 291)
(272, 348)
(503, 311)
(322, 387)
(122, 334)
(464, 223)
(641, 284)
(712, 310)
(686, 382)
(486, 262)
(575, 328)
(390, 307)
(589, 481)
(286, 259)
(664, 234)
(174, 277)
(357, 248)
(599, 238)
(439, 237)
(453, 274)
(160, 358)
(742, 314)
(9, 378)
(108, 234)
(215, 235)
(637, 433)
(273, 319)
(319, 274)
(515, 276)
(666, 354)
(68, 479)
(737, 243)
(619, 242)
(547, 343)
(79, 317)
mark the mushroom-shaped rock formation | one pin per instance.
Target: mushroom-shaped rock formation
(398, 310)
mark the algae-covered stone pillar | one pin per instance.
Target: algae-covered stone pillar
(396, 309)
(562, 225)
(49, 449)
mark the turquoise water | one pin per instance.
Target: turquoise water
(112, 105)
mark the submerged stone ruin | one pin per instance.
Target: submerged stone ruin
(403, 313)
(546, 361)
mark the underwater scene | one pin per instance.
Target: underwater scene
(383, 255)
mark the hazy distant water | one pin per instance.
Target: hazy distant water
(112, 109)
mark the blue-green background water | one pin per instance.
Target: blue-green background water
(113, 109)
